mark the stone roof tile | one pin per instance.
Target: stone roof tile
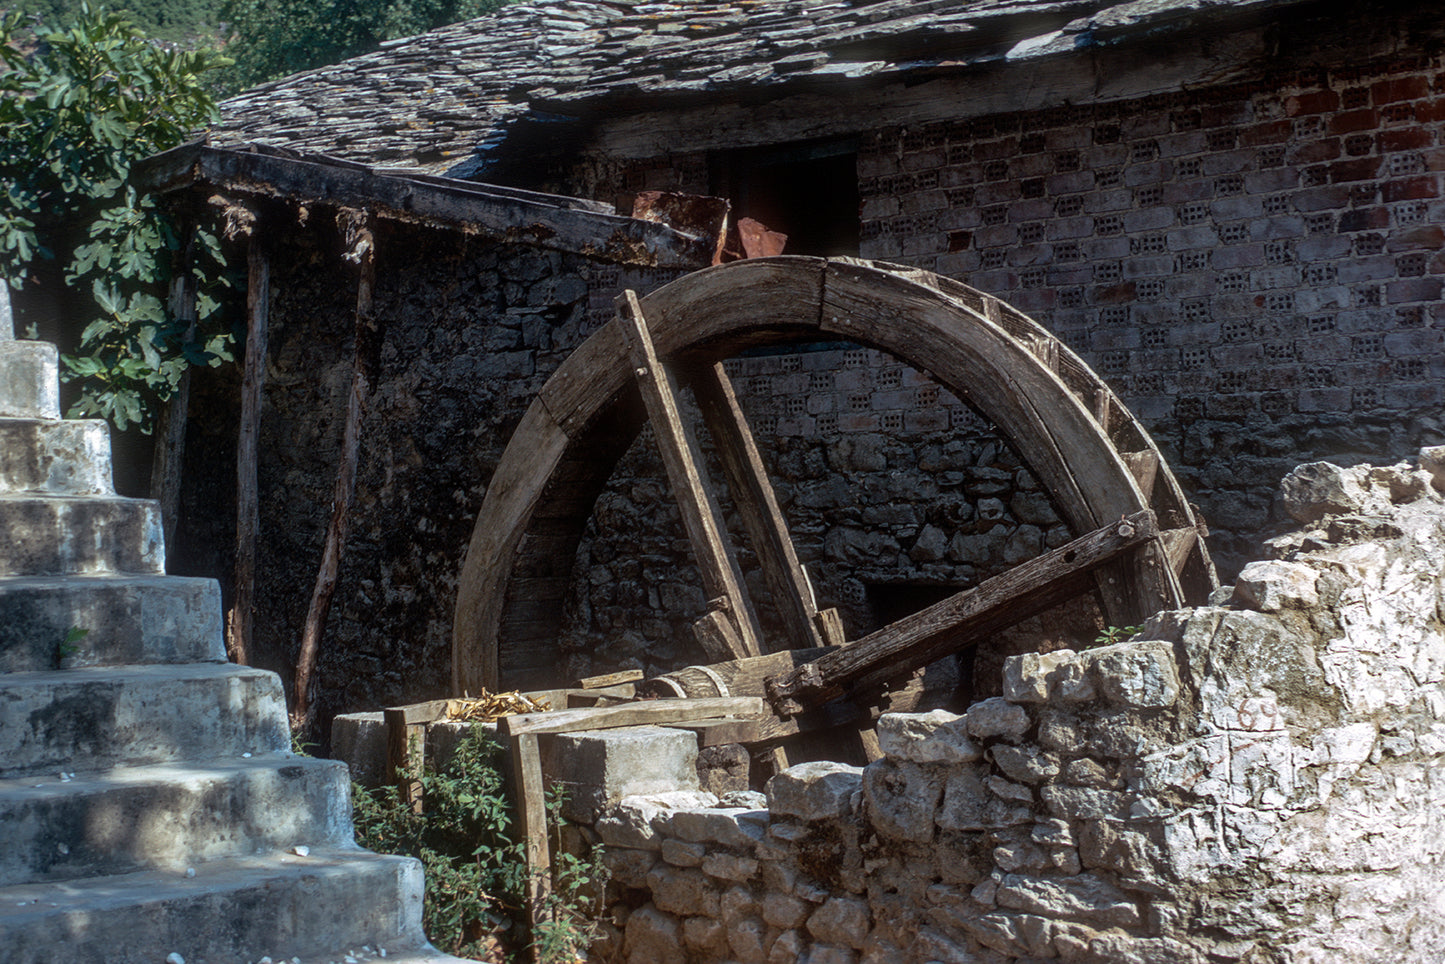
(446, 100)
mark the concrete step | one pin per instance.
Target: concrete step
(127, 619)
(73, 535)
(168, 817)
(125, 716)
(231, 911)
(29, 379)
(67, 457)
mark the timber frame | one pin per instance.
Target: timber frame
(1086, 449)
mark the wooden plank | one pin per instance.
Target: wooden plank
(924, 637)
(1178, 544)
(532, 822)
(405, 753)
(610, 679)
(1144, 466)
(700, 514)
(757, 504)
(643, 713)
(722, 731)
(239, 622)
(737, 677)
(830, 627)
(717, 636)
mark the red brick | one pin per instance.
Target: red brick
(1409, 189)
(1430, 111)
(1406, 139)
(1352, 121)
(1358, 170)
(1401, 88)
(1318, 102)
(1435, 160)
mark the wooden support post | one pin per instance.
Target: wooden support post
(830, 627)
(963, 618)
(248, 508)
(361, 249)
(169, 452)
(757, 504)
(406, 752)
(532, 822)
(700, 514)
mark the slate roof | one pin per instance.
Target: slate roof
(446, 101)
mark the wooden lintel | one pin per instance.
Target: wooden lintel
(701, 517)
(757, 504)
(961, 619)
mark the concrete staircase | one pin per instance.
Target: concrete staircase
(150, 805)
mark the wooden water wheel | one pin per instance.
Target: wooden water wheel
(1137, 542)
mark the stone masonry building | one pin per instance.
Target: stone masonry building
(1231, 210)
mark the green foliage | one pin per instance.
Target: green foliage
(77, 107)
(189, 23)
(270, 40)
(1116, 634)
(476, 873)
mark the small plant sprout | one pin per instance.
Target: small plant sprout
(70, 645)
(1116, 634)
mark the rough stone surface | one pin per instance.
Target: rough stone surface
(814, 791)
(934, 737)
(1241, 780)
(600, 767)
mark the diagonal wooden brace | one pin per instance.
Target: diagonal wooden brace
(959, 620)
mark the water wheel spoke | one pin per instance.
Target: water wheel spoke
(729, 629)
(757, 504)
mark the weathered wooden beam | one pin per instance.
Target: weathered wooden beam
(532, 822)
(757, 504)
(239, 623)
(610, 679)
(500, 213)
(700, 515)
(405, 751)
(963, 618)
(644, 713)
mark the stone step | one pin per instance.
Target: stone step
(29, 379)
(72, 535)
(127, 716)
(231, 911)
(67, 457)
(169, 817)
(127, 620)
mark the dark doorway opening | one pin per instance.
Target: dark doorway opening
(807, 191)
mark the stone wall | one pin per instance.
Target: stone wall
(1254, 267)
(1256, 781)
(472, 330)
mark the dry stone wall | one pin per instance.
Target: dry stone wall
(1258, 780)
